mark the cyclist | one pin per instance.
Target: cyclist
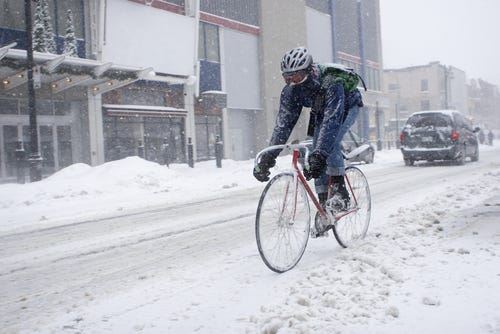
(333, 112)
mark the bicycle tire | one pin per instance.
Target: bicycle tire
(354, 226)
(282, 224)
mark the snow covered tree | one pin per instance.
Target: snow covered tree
(43, 35)
(38, 30)
(69, 38)
(47, 25)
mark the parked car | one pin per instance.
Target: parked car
(439, 135)
(355, 149)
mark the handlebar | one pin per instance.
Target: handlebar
(289, 147)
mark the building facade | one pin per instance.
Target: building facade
(112, 99)
(338, 31)
(427, 87)
(164, 79)
(484, 104)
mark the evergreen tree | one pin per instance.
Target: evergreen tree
(38, 30)
(69, 38)
(50, 44)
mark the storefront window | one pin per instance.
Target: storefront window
(44, 107)
(124, 135)
(8, 106)
(12, 14)
(47, 148)
(62, 108)
(208, 46)
(208, 129)
(10, 138)
(76, 8)
(13, 27)
(65, 151)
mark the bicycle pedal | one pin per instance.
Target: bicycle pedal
(324, 234)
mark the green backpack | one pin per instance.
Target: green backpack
(340, 73)
(333, 73)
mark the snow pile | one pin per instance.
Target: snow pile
(179, 254)
(132, 183)
(395, 273)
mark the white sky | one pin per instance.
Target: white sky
(461, 33)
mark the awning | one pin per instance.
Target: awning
(62, 72)
(121, 110)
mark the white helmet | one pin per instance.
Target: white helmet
(295, 60)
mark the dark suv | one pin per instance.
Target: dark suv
(438, 135)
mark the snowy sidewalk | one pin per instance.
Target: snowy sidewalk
(439, 260)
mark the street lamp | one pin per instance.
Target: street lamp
(34, 158)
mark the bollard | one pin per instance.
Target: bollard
(20, 162)
(165, 150)
(35, 165)
(190, 153)
(140, 149)
(218, 152)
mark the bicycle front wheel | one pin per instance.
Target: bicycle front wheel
(282, 222)
(353, 226)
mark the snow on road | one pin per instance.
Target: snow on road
(430, 263)
(433, 267)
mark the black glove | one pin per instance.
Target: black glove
(261, 170)
(317, 165)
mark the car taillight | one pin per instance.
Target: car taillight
(402, 137)
(454, 135)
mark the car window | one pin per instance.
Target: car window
(463, 122)
(422, 121)
(459, 120)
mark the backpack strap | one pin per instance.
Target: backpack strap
(337, 71)
(362, 81)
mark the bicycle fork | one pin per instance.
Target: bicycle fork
(354, 208)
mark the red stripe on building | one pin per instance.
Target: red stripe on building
(162, 5)
(357, 60)
(210, 18)
(221, 21)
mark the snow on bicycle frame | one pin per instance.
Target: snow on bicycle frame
(298, 158)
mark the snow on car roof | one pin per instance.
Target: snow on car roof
(443, 111)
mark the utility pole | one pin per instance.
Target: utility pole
(398, 142)
(334, 31)
(378, 122)
(34, 158)
(446, 87)
(361, 36)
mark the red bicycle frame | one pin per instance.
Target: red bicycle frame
(312, 195)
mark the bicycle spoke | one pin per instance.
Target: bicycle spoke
(354, 225)
(282, 223)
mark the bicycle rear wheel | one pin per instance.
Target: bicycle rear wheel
(282, 222)
(353, 226)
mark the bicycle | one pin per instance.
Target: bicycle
(283, 218)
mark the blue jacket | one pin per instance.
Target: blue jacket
(329, 104)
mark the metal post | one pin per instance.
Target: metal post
(165, 150)
(379, 132)
(398, 131)
(361, 36)
(218, 152)
(34, 158)
(140, 149)
(334, 31)
(20, 162)
(446, 78)
(190, 153)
